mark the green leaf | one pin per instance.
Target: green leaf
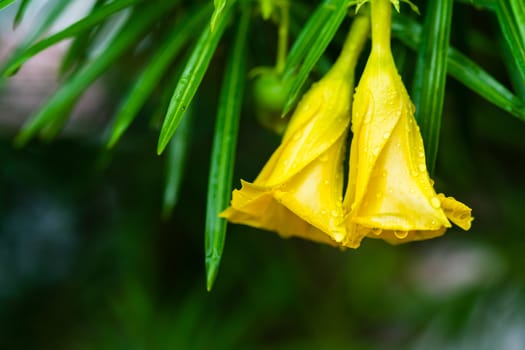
(191, 77)
(86, 23)
(304, 41)
(21, 12)
(78, 51)
(464, 70)
(180, 34)
(513, 70)
(5, 3)
(219, 6)
(176, 159)
(479, 81)
(430, 76)
(511, 18)
(223, 151)
(317, 48)
(71, 89)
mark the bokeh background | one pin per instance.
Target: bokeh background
(88, 262)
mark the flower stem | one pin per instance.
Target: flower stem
(381, 15)
(354, 43)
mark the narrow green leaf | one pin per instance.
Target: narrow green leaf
(41, 23)
(21, 12)
(191, 77)
(78, 51)
(430, 76)
(176, 160)
(317, 48)
(464, 70)
(479, 81)
(513, 71)
(5, 3)
(223, 151)
(511, 18)
(71, 89)
(179, 36)
(304, 41)
(82, 25)
(219, 6)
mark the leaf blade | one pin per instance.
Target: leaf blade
(71, 89)
(5, 3)
(464, 70)
(85, 23)
(223, 151)
(316, 50)
(192, 76)
(176, 161)
(430, 75)
(305, 39)
(180, 34)
(511, 18)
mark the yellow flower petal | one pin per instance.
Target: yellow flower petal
(256, 206)
(390, 194)
(299, 190)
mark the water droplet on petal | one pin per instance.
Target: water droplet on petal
(435, 202)
(422, 167)
(386, 135)
(401, 234)
(323, 212)
(338, 236)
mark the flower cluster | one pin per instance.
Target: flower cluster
(389, 194)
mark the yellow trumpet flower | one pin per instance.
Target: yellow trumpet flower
(299, 190)
(390, 194)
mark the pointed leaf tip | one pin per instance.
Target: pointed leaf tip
(212, 270)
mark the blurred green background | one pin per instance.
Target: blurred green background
(87, 262)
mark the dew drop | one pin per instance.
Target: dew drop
(386, 135)
(335, 213)
(326, 182)
(422, 167)
(323, 212)
(435, 202)
(401, 234)
(338, 236)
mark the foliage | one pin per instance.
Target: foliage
(88, 263)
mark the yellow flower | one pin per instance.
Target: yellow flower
(299, 191)
(389, 193)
